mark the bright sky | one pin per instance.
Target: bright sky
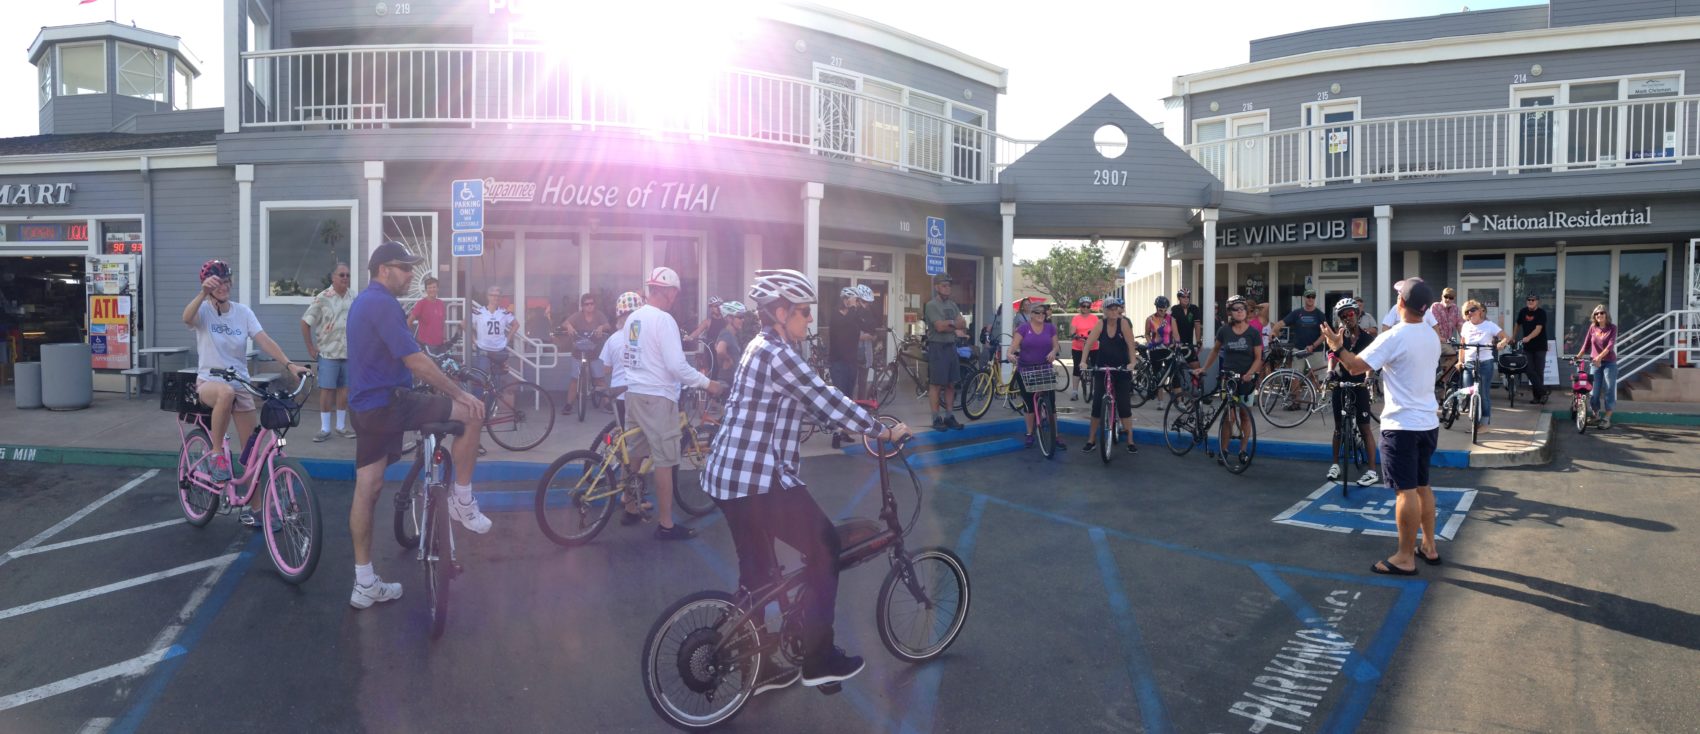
(1061, 59)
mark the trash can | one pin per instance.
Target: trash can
(27, 391)
(67, 376)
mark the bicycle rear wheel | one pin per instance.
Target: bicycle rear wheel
(1063, 375)
(1107, 435)
(1241, 446)
(409, 518)
(575, 498)
(885, 383)
(923, 603)
(1180, 420)
(292, 525)
(520, 417)
(692, 676)
(977, 394)
(1144, 382)
(584, 393)
(1044, 423)
(199, 504)
(438, 563)
(1286, 398)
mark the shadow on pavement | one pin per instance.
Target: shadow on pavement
(1507, 507)
(1610, 611)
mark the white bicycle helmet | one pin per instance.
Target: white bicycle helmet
(1346, 304)
(865, 293)
(728, 309)
(664, 277)
(773, 286)
(849, 292)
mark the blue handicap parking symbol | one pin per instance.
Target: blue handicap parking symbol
(1369, 510)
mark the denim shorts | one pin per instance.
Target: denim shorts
(333, 373)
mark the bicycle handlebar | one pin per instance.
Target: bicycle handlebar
(230, 375)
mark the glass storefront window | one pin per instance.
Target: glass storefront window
(863, 262)
(1535, 275)
(1641, 287)
(1587, 283)
(302, 247)
(1293, 277)
(551, 281)
(683, 255)
(1484, 262)
(617, 261)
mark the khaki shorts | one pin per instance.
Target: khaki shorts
(658, 418)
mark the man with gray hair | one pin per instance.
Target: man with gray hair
(324, 328)
(1407, 356)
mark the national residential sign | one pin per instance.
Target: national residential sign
(1555, 220)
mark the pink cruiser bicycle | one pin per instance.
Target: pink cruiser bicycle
(290, 522)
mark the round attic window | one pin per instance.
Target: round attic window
(1110, 141)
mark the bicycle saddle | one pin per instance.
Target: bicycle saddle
(445, 428)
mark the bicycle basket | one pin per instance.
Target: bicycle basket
(177, 394)
(1039, 378)
(1581, 382)
(277, 414)
(1513, 362)
(584, 346)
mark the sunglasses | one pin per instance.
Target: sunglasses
(1530, 300)
(1236, 308)
(1473, 310)
(586, 303)
(805, 311)
(1449, 298)
(1310, 295)
(342, 275)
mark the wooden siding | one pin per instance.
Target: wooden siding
(1470, 23)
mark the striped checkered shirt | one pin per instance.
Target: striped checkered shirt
(756, 449)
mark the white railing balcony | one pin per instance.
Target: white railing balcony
(1537, 139)
(372, 87)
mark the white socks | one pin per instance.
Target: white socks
(364, 576)
(463, 492)
(325, 422)
(342, 420)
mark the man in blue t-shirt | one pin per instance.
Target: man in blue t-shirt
(383, 361)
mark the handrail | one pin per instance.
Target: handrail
(1657, 339)
(482, 84)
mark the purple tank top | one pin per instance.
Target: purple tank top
(1034, 347)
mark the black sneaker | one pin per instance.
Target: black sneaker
(1132, 449)
(778, 675)
(950, 420)
(836, 668)
(1089, 447)
(940, 425)
(677, 532)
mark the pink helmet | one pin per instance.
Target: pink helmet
(215, 267)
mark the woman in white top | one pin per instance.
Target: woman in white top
(222, 329)
(1486, 334)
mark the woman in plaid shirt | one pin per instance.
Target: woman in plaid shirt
(753, 468)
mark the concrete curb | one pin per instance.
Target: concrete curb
(1538, 454)
(1641, 419)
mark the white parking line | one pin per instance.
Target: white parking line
(128, 667)
(78, 515)
(220, 561)
(94, 538)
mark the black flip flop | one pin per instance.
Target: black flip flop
(1435, 561)
(1387, 569)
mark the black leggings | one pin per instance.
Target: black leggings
(791, 516)
(1123, 383)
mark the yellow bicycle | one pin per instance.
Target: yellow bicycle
(578, 493)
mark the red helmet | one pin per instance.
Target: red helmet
(215, 267)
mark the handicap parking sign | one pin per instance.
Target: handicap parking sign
(1369, 510)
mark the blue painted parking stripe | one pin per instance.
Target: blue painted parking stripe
(148, 694)
(1346, 717)
(970, 432)
(924, 701)
(1151, 711)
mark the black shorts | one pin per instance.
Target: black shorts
(379, 431)
(1405, 457)
(1123, 385)
(1361, 404)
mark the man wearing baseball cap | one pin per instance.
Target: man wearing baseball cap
(1407, 356)
(944, 325)
(1393, 316)
(656, 367)
(383, 363)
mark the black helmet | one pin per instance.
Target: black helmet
(1162, 302)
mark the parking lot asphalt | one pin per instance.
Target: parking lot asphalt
(1154, 594)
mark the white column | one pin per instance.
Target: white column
(1207, 292)
(1168, 269)
(752, 263)
(519, 283)
(812, 194)
(374, 216)
(234, 19)
(245, 232)
(1383, 261)
(1006, 294)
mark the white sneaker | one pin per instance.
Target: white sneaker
(1334, 473)
(467, 514)
(1369, 479)
(365, 596)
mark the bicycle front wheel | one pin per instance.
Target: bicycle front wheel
(1045, 423)
(199, 504)
(923, 604)
(575, 498)
(292, 526)
(977, 395)
(1143, 384)
(409, 518)
(688, 493)
(1180, 419)
(520, 417)
(1286, 398)
(1064, 374)
(437, 557)
(1241, 440)
(1579, 413)
(696, 674)
(1475, 418)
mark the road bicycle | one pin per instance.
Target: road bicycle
(1581, 389)
(1350, 452)
(585, 351)
(704, 655)
(1288, 397)
(422, 517)
(1040, 382)
(518, 415)
(909, 358)
(1110, 427)
(1466, 401)
(1185, 424)
(290, 521)
(1152, 377)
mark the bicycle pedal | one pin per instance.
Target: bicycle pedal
(830, 689)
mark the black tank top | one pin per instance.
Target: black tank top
(1112, 348)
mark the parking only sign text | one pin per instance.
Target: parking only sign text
(935, 245)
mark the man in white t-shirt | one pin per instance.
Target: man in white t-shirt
(1393, 316)
(655, 368)
(1407, 356)
(493, 329)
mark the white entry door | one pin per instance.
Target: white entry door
(1490, 292)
